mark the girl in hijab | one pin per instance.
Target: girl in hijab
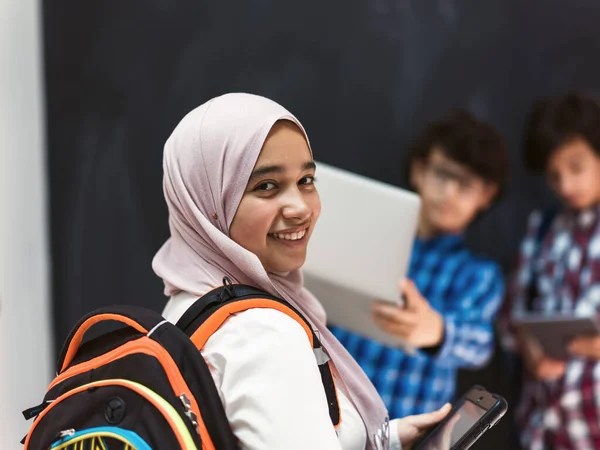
(239, 181)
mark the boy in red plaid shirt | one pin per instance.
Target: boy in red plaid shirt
(559, 406)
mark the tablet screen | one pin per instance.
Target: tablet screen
(460, 422)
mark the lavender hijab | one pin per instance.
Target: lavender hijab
(208, 160)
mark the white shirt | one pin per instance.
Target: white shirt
(270, 385)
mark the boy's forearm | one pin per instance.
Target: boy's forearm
(469, 333)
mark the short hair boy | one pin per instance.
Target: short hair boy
(558, 272)
(459, 167)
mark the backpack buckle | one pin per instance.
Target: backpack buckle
(321, 356)
(187, 408)
(228, 292)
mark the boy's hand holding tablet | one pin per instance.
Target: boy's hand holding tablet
(416, 323)
(539, 365)
(585, 347)
(547, 342)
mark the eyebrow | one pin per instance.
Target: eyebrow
(265, 170)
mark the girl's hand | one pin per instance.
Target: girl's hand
(411, 428)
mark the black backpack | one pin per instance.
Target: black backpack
(145, 386)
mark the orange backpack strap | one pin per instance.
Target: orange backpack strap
(210, 311)
(138, 318)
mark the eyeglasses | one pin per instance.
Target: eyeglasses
(441, 177)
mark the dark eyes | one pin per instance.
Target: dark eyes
(270, 185)
(576, 168)
(307, 180)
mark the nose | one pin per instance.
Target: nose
(566, 186)
(295, 205)
(451, 189)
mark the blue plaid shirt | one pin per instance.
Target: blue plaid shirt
(467, 291)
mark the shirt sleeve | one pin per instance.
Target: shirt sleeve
(270, 383)
(395, 443)
(468, 317)
(519, 280)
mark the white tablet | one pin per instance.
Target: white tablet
(360, 247)
(554, 333)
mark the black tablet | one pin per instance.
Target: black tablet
(554, 333)
(471, 416)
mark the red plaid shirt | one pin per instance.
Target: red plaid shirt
(563, 414)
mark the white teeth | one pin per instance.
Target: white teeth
(290, 236)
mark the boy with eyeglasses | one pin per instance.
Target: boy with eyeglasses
(459, 166)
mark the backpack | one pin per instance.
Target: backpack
(145, 386)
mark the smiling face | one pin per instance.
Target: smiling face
(280, 205)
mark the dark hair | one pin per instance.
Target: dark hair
(468, 141)
(554, 121)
